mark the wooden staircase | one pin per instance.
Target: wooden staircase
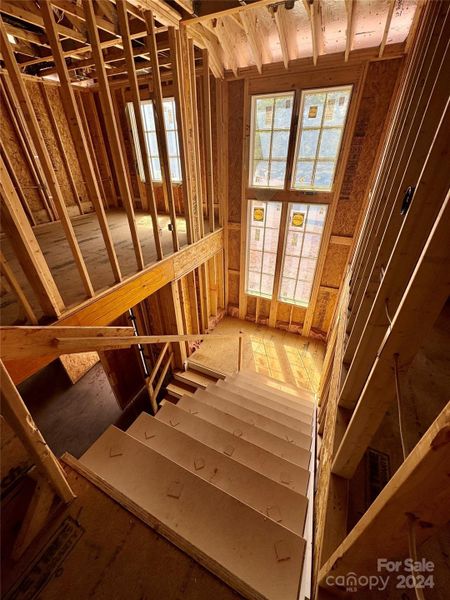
(226, 475)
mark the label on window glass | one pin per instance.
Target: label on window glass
(269, 110)
(329, 109)
(257, 235)
(258, 214)
(298, 218)
(312, 114)
(294, 240)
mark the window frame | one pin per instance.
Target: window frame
(248, 250)
(253, 130)
(299, 130)
(136, 146)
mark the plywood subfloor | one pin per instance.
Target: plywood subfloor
(287, 357)
(97, 549)
(56, 250)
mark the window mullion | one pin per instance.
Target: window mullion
(301, 253)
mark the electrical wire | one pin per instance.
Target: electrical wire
(411, 518)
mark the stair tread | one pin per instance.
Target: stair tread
(283, 448)
(273, 410)
(246, 414)
(276, 468)
(194, 378)
(236, 542)
(257, 491)
(178, 391)
(287, 389)
(194, 366)
(299, 404)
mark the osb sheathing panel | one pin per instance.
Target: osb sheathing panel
(283, 312)
(20, 166)
(233, 288)
(77, 365)
(234, 246)
(323, 313)
(52, 147)
(377, 95)
(54, 97)
(251, 306)
(235, 149)
(264, 308)
(96, 136)
(334, 266)
(298, 315)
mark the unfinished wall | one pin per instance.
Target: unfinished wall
(378, 79)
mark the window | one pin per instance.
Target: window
(321, 124)
(271, 125)
(304, 227)
(151, 139)
(264, 227)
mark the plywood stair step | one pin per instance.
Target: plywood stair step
(281, 447)
(271, 499)
(249, 416)
(199, 368)
(176, 389)
(297, 403)
(255, 555)
(286, 389)
(294, 477)
(194, 378)
(291, 417)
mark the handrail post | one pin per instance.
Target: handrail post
(240, 351)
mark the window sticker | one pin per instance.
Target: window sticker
(329, 109)
(298, 219)
(312, 112)
(258, 214)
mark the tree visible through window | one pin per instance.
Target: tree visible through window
(151, 139)
(321, 125)
(271, 125)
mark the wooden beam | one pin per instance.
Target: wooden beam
(75, 10)
(160, 126)
(116, 300)
(280, 22)
(135, 96)
(28, 36)
(419, 488)
(386, 28)
(76, 129)
(248, 21)
(222, 33)
(29, 342)
(27, 248)
(164, 13)
(8, 274)
(16, 183)
(20, 420)
(176, 59)
(23, 14)
(314, 12)
(112, 130)
(207, 139)
(426, 294)
(239, 9)
(349, 7)
(203, 38)
(44, 157)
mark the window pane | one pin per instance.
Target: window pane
(323, 177)
(152, 144)
(303, 174)
(323, 119)
(264, 113)
(308, 143)
(280, 143)
(262, 144)
(172, 143)
(277, 174)
(301, 251)
(329, 143)
(156, 169)
(149, 119)
(261, 171)
(264, 224)
(270, 130)
(175, 169)
(283, 112)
